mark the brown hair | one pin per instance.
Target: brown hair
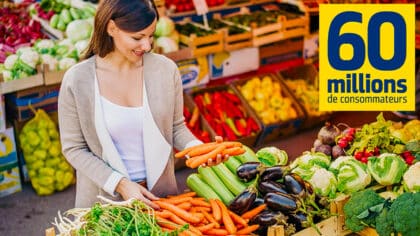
(128, 15)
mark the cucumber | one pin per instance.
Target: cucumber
(195, 183)
(231, 181)
(208, 176)
(232, 164)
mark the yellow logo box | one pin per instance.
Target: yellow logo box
(367, 57)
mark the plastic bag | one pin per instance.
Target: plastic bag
(47, 168)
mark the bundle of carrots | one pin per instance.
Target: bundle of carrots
(203, 217)
(208, 152)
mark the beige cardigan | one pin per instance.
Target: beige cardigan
(88, 147)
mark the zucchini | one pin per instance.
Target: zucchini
(247, 156)
(196, 184)
(231, 181)
(208, 176)
(232, 164)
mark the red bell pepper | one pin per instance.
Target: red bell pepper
(187, 113)
(232, 97)
(251, 122)
(199, 100)
(230, 135)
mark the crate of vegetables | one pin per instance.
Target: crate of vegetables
(201, 40)
(293, 24)
(264, 26)
(226, 114)
(270, 100)
(235, 36)
(302, 81)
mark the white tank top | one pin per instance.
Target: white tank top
(125, 126)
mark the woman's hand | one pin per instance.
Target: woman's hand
(129, 189)
(219, 158)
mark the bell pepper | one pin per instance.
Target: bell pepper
(199, 100)
(251, 122)
(187, 113)
(232, 126)
(230, 135)
(241, 127)
(232, 97)
(219, 129)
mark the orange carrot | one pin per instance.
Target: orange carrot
(199, 202)
(203, 150)
(177, 200)
(184, 152)
(248, 229)
(227, 220)
(166, 223)
(230, 144)
(178, 211)
(237, 219)
(188, 233)
(198, 214)
(253, 212)
(182, 195)
(211, 219)
(199, 208)
(217, 232)
(215, 210)
(205, 228)
(185, 205)
(164, 214)
(233, 151)
(198, 160)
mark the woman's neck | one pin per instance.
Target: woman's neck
(117, 63)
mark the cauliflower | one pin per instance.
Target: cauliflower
(271, 156)
(324, 182)
(44, 46)
(411, 178)
(66, 63)
(10, 61)
(7, 75)
(51, 61)
(30, 58)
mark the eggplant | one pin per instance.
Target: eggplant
(248, 171)
(258, 201)
(243, 201)
(295, 185)
(281, 202)
(270, 186)
(299, 220)
(272, 173)
(268, 218)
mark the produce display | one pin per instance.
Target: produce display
(265, 95)
(47, 167)
(232, 29)
(187, 5)
(17, 29)
(225, 113)
(190, 28)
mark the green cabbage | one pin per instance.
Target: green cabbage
(309, 159)
(387, 168)
(352, 175)
(271, 156)
(323, 182)
(79, 30)
(412, 178)
(164, 26)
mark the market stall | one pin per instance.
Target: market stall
(249, 73)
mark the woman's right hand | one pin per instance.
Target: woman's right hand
(129, 189)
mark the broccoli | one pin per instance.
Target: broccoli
(384, 225)
(405, 214)
(362, 209)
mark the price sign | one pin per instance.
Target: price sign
(201, 7)
(367, 57)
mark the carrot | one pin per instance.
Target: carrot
(227, 220)
(185, 205)
(230, 144)
(215, 210)
(178, 211)
(211, 219)
(177, 200)
(182, 195)
(166, 223)
(184, 152)
(199, 202)
(253, 212)
(233, 151)
(198, 160)
(202, 150)
(217, 232)
(237, 219)
(188, 233)
(199, 215)
(198, 208)
(205, 228)
(248, 229)
(164, 214)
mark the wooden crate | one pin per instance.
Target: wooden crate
(202, 45)
(248, 140)
(278, 129)
(234, 42)
(21, 84)
(297, 27)
(52, 77)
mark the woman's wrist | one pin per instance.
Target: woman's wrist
(121, 185)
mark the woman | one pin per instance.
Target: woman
(121, 110)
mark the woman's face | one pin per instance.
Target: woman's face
(132, 45)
